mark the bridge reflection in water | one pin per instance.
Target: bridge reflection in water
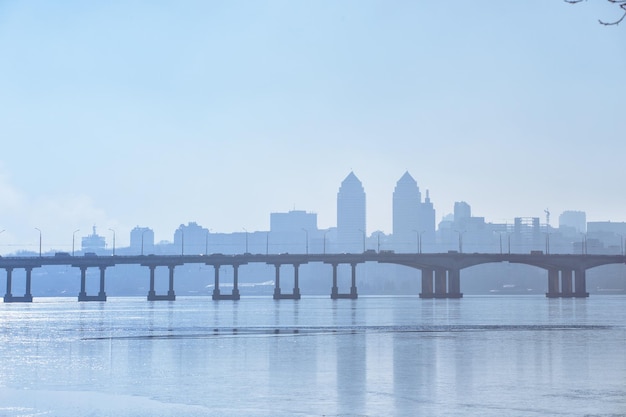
(441, 272)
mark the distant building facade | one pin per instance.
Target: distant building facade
(351, 223)
(142, 240)
(191, 239)
(93, 243)
(293, 231)
(573, 222)
(413, 220)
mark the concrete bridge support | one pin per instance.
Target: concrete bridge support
(234, 295)
(335, 294)
(170, 296)
(553, 284)
(441, 284)
(566, 283)
(427, 283)
(572, 283)
(580, 281)
(9, 297)
(454, 283)
(447, 283)
(278, 295)
(82, 296)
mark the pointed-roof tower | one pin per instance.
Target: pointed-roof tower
(351, 215)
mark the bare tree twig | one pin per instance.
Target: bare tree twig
(620, 3)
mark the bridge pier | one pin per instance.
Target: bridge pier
(217, 295)
(447, 283)
(9, 297)
(566, 289)
(82, 296)
(580, 281)
(171, 295)
(335, 294)
(296, 288)
(441, 285)
(427, 283)
(454, 283)
(566, 283)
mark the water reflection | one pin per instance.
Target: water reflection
(372, 356)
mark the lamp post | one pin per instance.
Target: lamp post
(39, 240)
(182, 241)
(73, 236)
(113, 241)
(142, 233)
(325, 241)
(460, 232)
(245, 230)
(508, 235)
(418, 239)
(363, 231)
(307, 239)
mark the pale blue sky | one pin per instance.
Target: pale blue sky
(125, 113)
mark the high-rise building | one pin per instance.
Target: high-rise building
(191, 239)
(574, 220)
(413, 220)
(406, 210)
(462, 211)
(293, 231)
(142, 240)
(427, 224)
(351, 231)
(93, 242)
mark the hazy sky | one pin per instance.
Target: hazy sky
(157, 113)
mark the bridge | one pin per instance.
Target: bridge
(441, 272)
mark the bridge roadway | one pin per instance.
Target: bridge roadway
(440, 272)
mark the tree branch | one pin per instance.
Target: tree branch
(621, 3)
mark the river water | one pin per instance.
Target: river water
(375, 356)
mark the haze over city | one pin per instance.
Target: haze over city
(119, 115)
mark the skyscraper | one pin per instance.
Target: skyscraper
(351, 229)
(413, 220)
(406, 203)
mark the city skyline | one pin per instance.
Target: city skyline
(122, 114)
(413, 220)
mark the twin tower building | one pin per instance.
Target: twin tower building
(413, 219)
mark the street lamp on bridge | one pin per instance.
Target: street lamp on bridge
(113, 241)
(73, 236)
(142, 233)
(418, 240)
(182, 241)
(363, 231)
(39, 240)
(325, 241)
(460, 232)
